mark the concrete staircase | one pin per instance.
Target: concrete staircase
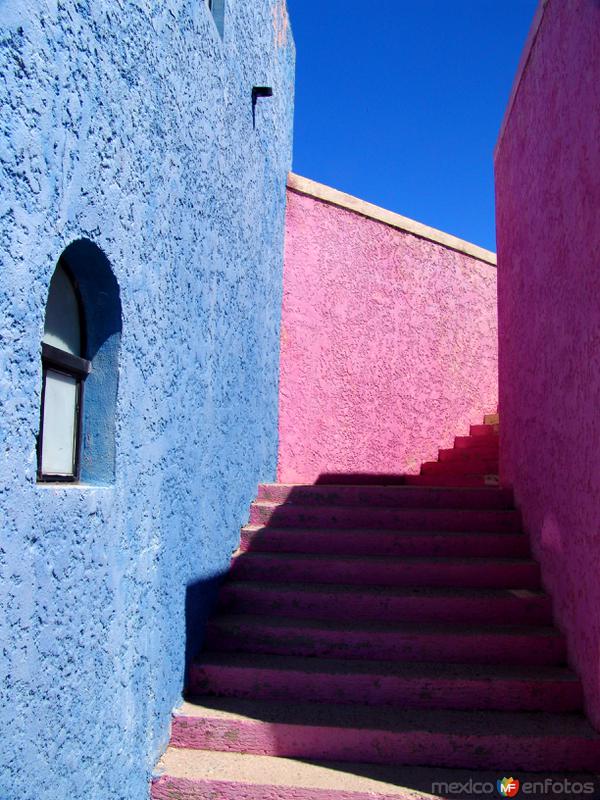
(372, 640)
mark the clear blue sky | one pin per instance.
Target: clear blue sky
(400, 102)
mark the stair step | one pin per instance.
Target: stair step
(480, 739)
(213, 775)
(425, 519)
(257, 538)
(466, 454)
(458, 481)
(483, 430)
(387, 496)
(467, 467)
(476, 442)
(367, 479)
(383, 571)
(408, 604)
(400, 684)
(450, 643)
(491, 419)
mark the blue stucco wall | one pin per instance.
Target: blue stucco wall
(130, 124)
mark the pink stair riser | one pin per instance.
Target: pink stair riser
(292, 515)
(447, 481)
(472, 466)
(480, 431)
(481, 573)
(408, 691)
(324, 603)
(481, 648)
(464, 454)
(327, 542)
(169, 788)
(413, 747)
(387, 496)
(476, 442)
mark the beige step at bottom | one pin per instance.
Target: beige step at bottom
(228, 773)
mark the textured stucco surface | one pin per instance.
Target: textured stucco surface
(130, 124)
(388, 345)
(548, 200)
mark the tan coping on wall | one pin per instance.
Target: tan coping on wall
(328, 195)
(521, 69)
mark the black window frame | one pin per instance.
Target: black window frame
(56, 360)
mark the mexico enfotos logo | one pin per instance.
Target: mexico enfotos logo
(513, 787)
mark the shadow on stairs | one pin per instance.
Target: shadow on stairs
(383, 640)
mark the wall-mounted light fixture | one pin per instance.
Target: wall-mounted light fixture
(261, 91)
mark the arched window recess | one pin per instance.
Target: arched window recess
(80, 353)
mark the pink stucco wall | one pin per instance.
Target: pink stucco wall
(548, 200)
(388, 345)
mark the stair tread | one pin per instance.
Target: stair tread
(405, 783)
(445, 721)
(492, 436)
(457, 456)
(476, 450)
(451, 481)
(475, 466)
(407, 669)
(291, 515)
(245, 769)
(327, 487)
(484, 463)
(272, 504)
(255, 528)
(392, 490)
(366, 626)
(475, 561)
(395, 591)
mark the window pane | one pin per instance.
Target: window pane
(218, 11)
(59, 426)
(62, 326)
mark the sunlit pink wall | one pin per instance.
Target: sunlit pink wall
(548, 200)
(388, 345)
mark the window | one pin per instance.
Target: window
(80, 371)
(217, 9)
(63, 374)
